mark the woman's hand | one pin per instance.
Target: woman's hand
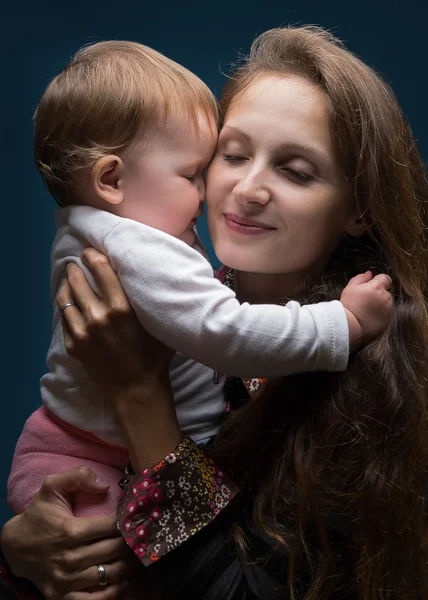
(102, 332)
(58, 552)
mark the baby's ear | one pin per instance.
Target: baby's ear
(105, 176)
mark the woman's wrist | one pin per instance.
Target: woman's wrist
(146, 414)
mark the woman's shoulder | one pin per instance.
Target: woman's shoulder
(211, 564)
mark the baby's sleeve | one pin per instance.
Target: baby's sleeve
(176, 297)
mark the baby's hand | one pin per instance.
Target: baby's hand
(369, 306)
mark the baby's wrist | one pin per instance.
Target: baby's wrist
(355, 331)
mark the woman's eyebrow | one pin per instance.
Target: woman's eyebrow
(238, 131)
(312, 152)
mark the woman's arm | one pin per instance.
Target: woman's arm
(117, 353)
(176, 512)
(47, 544)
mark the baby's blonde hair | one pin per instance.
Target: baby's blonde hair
(108, 95)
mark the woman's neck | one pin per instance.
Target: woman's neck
(266, 288)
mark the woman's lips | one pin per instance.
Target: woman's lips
(246, 226)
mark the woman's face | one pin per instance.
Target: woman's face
(277, 200)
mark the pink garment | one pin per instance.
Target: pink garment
(48, 445)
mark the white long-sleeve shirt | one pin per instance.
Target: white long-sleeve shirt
(176, 297)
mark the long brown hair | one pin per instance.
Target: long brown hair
(343, 456)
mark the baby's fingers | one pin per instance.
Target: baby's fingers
(361, 278)
(382, 280)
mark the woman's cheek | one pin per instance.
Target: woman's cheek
(218, 180)
(210, 181)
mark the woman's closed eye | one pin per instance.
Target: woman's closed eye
(298, 176)
(234, 158)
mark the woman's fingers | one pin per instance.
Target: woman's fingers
(73, 323)
(87, 300)
(72, 315)
(116, 572)
(111, 592)
(104, 551)
(88, 529)
(109, 285)
(68, 338)
(58, 488)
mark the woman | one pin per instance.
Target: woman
(316, 178)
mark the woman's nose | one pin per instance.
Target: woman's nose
(251, 189)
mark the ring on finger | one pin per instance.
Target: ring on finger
(66, 305)
(102, 575)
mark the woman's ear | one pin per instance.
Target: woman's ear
(106, 177)
(357, 225)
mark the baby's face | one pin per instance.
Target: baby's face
(163, 185)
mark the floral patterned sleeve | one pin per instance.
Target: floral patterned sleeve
(168, 503)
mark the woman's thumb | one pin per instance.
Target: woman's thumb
(79, 479)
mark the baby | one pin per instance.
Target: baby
(123, 136)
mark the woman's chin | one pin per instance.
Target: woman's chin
(243, 260)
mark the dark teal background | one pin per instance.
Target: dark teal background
(37, 41)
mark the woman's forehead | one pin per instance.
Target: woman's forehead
(281, 92)
(287, 109)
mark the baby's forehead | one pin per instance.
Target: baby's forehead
(200, 133)
(196, 122)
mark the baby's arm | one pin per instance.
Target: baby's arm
(178, 300)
